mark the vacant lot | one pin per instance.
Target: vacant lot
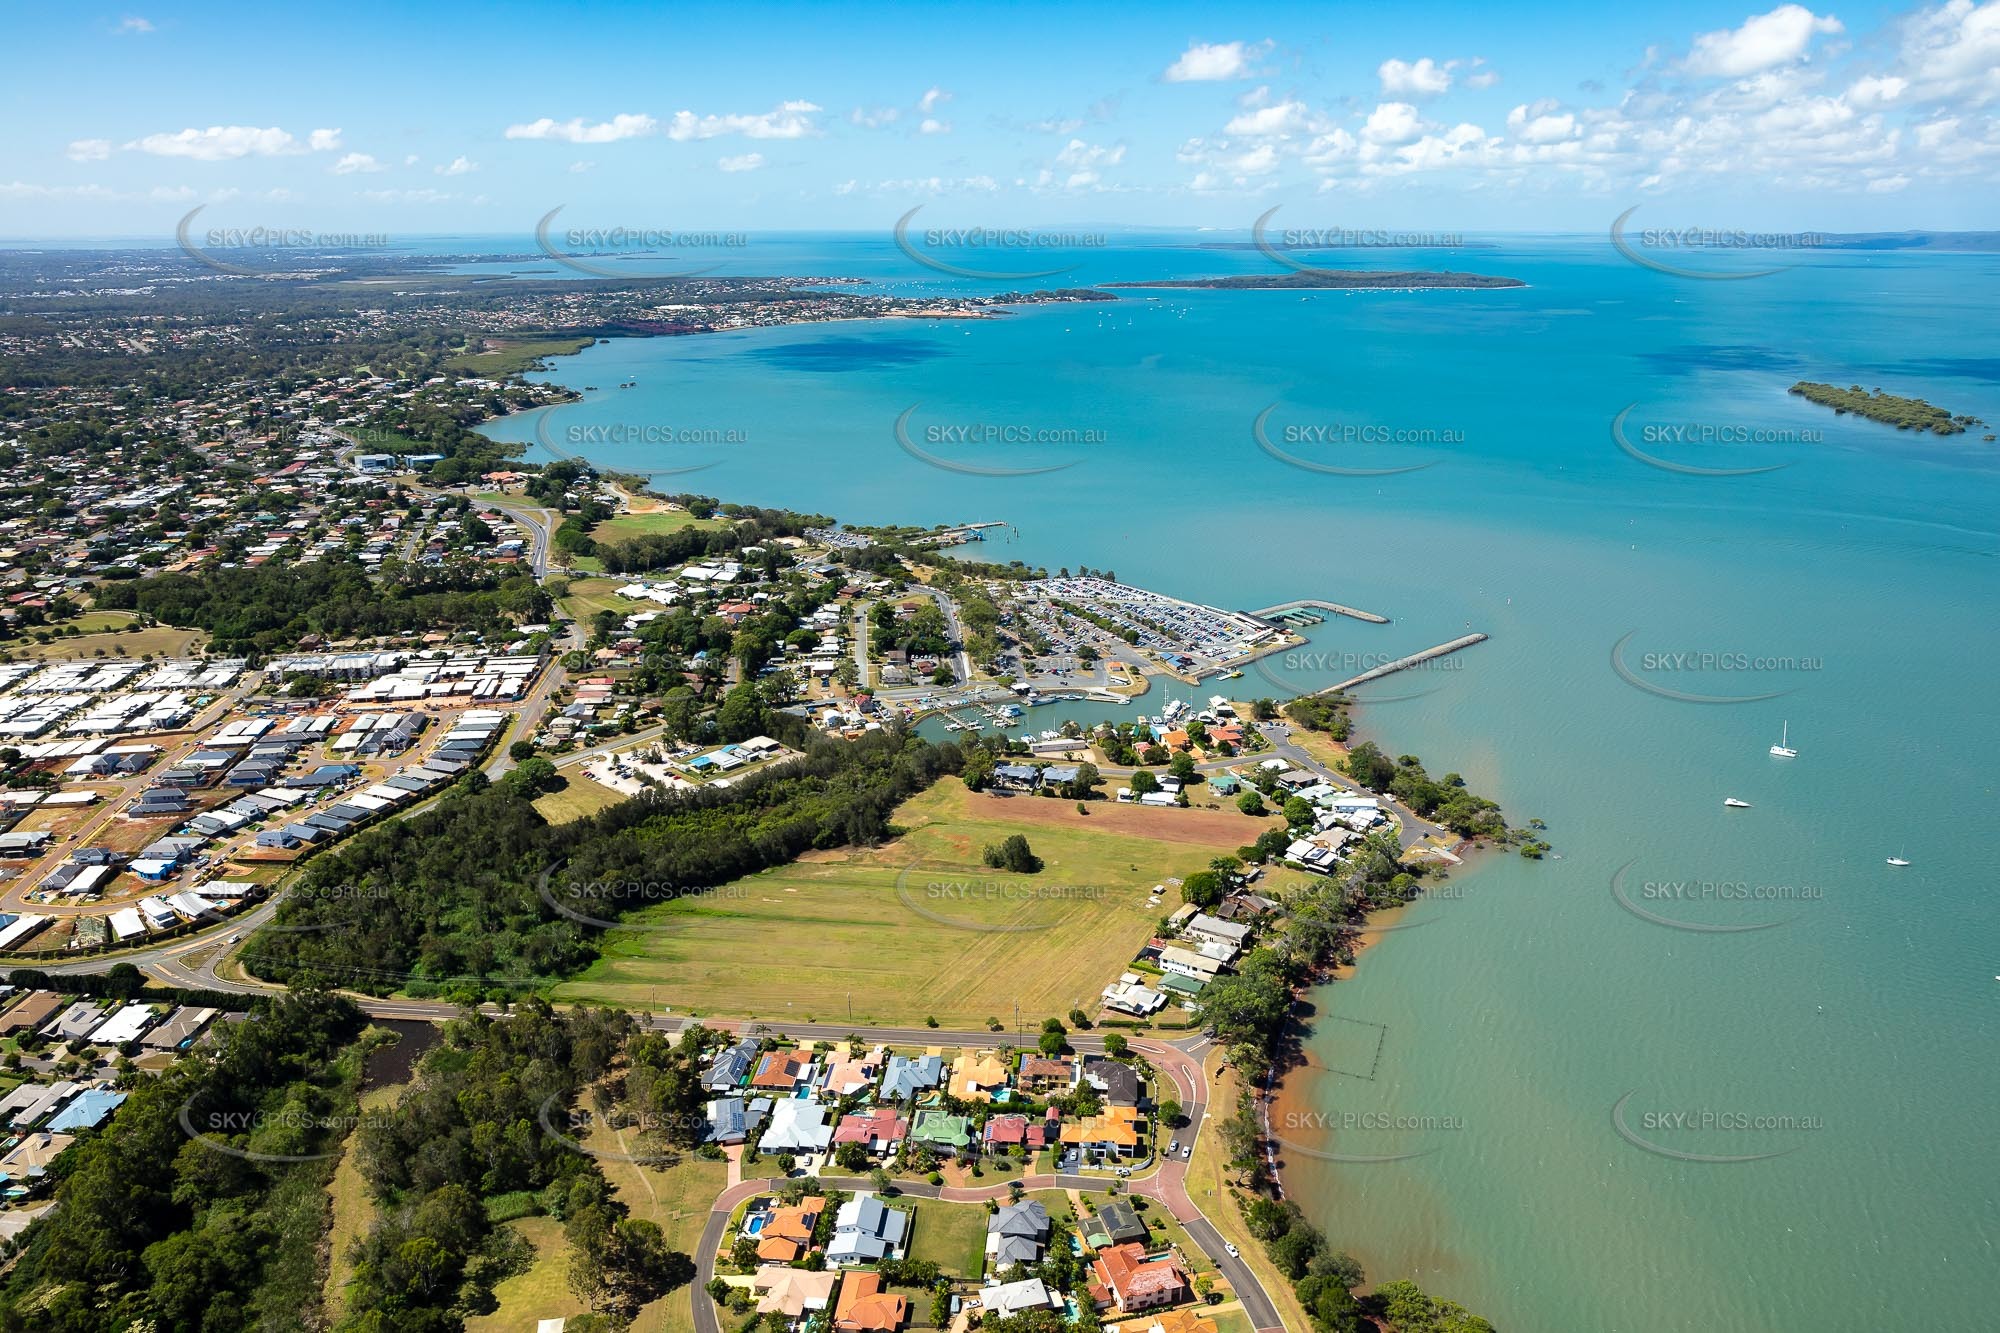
(579, 798)
(541, 1292)
(651, 523)
(920, 928)
(950, 1235)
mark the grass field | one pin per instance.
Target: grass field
(625, 527)
(541, 1292)
(586, 597)
(580, 798)
(919, 928)
(160, 641)
(353, 1213)
(507, 356)
(950, 1235)
(678, 1199)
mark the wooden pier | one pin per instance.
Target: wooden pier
(1405, 663)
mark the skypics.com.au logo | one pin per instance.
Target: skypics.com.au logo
(257, 252)
(580, 248)
(930, 247)
(1661, 248)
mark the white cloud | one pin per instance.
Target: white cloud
(1216, 62)
(1777, 38)
(410, 160)
(324, 141)
(788, 120)
(1480, 76)
(1393, 123)
(742, 162)
(353, 162)
(1542, 122)
(26, 190)
(1888, 184)
(219, 143)
(1278, 119)
(932, 100)
(1876, 91)
(874, 117)
(579, 167)
(89, 150)
(1424, 78)
(1954, 51)
(458, 166)
(626, 125)
(932, 125)
(135, 24)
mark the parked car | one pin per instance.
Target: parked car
(1234, 1253)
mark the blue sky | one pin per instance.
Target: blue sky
(1465, 117)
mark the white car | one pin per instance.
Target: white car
(1233, 1252)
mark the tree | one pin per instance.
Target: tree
(1115, 1045)
(1370, 767)
(1013, 853)
(1204, 888)
(1144, 783)
(1250, 803)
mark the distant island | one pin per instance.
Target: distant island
(1329, 280)
(1887, 408)
(1955, 242)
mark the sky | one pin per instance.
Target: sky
(1449, 117)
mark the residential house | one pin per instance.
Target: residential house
(1114, 1222)
(1205, 927)
(878, 1129)
(977, 1075)
(34, 1009)
(798, 1125)
(1046, 1074)
(849, 1074)
(792, 1292)
(1130, 1280)
(1116, 1132)
(866, 1231)
(905, 1078)
(1015, 1131)
(784, 1072)
(731, 1067)
(865, 1306)
(1003, 1300)
(736, 1119)
(1016, 1234)
(1118, 1083)
(937, 1130)
(1177, 1321)
(1189, 963)
(788, 1231)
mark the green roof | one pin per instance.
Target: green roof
(938, 1127)
(1174, 981)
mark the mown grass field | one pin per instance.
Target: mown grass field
(587, 596)
(919, 927)
(582, 797)
(654, 522)
(505, 357)
(950, 1235)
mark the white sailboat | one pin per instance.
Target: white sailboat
(1898, 860)
(1783, 750)
(1735, 804)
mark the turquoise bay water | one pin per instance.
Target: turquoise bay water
(1525, 1009)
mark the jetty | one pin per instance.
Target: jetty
(1405, 663)
(1284, 612)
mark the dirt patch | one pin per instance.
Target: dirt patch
(1206, 828)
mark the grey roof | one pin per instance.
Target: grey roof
(1027, 1218)
(1118, 1082)
(734, 1120)
(731, 1067)
(906, 1077)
